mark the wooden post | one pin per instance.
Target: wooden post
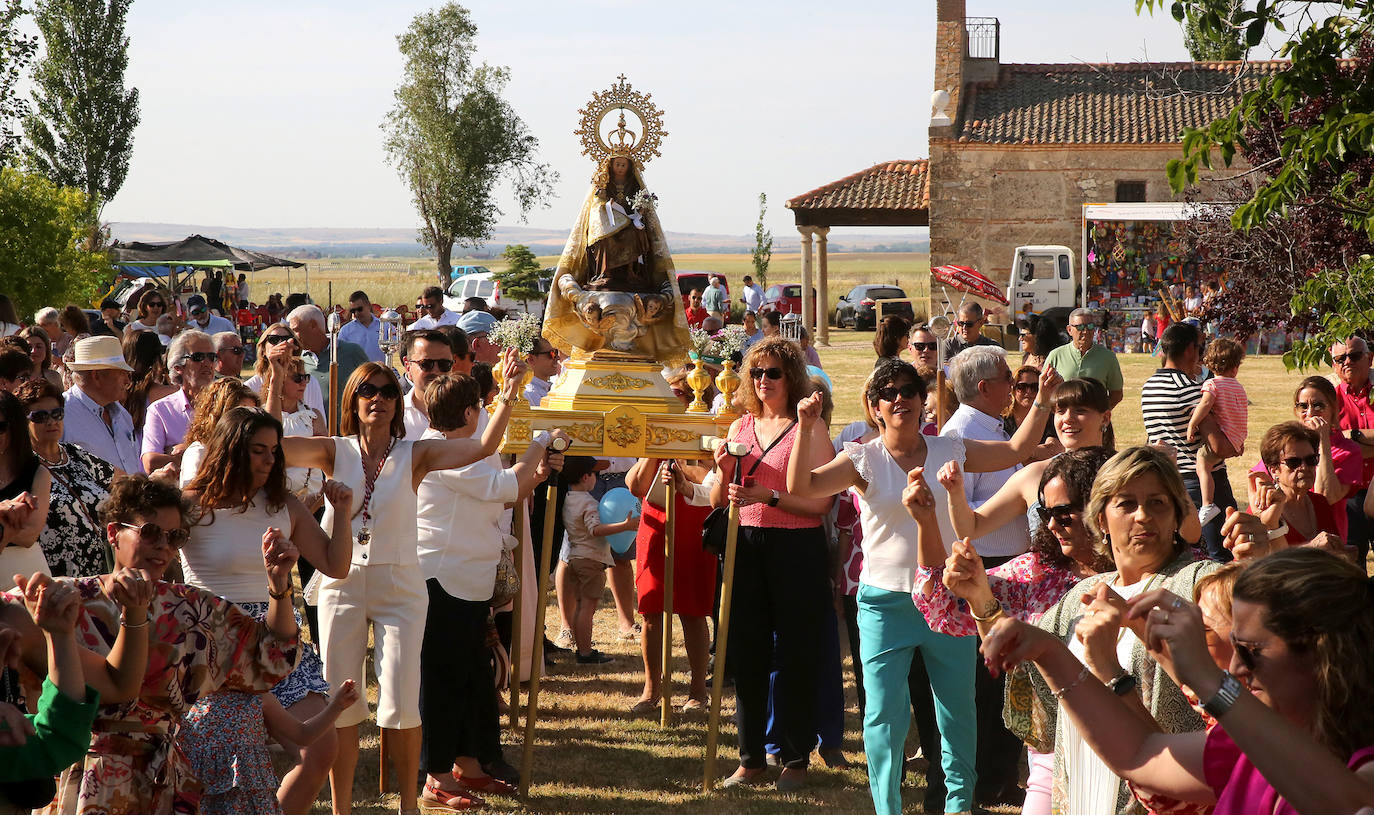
(669, 554)
(517, 610)
(537, 654)
(722, 644)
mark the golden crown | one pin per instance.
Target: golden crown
(621, 141)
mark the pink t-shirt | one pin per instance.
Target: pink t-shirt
(1239, 787)
(1232, 408)
(1349, 467)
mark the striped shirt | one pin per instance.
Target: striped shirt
(1167, 400)
(1232, 408)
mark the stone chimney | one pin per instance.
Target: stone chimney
(967, 50)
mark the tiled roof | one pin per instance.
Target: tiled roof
(1116, 103)
(892, 185)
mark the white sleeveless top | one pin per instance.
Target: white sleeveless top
(225, 557)
(301, 423)
(889, 544)
(393, 503)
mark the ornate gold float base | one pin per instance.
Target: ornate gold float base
(606, 379)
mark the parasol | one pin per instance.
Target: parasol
(969, 280)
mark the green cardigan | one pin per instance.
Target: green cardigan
(62, 734)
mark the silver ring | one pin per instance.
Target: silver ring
(1165, 620)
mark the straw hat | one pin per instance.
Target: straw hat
(99, 353)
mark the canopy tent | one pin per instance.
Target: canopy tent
(142, 259)
(141, 268)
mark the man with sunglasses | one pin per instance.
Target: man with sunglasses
(191, 360)
(229, 349)
(96, 420)
(921, 341)
(1351, 361)
(432, 311)
(203, 319)
(363, 328)
(1084, 358)
(426, 356)
(543, 362)
(968, 330)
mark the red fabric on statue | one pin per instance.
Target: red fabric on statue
(694, 569)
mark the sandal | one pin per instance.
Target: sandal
(486, 784)
(645, 706)
(452, 801)
(695, 705)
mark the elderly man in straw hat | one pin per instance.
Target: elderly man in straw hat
(96, 420)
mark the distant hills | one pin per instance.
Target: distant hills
(314, 242)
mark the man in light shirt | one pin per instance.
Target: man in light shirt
(229, 349)
(202, 319)
(713, 299)
(543, 362)
(426, 356)
(435, 314)
(96, 420)
(752, 294)
(364, 329)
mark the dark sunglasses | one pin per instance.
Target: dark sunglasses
(358, 309)
(1248, 652)
(428, 365)
(552, 353)
(1317, 406)
(1294, 462)
(1353, 356)
(760, 373)
(891, 392)
(277, 339)
(922, 346)
(45, 416)
(367, 390)
(431, 306)
(233, 349)
(1027, 387)
(200, 356)
(155, 304)
(1081, 326)
(196, 312)
(300, 379)
(1062, 514)
(151, 533)
(969, 323)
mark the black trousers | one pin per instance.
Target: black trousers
(999, 751)
(851, 625)
(781, 590)
(1358, 533)
(457, 691)
(537, 507)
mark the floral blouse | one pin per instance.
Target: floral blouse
(199, 644)
(1026, 586)
(74, 539)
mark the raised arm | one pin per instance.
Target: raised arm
(1327, 484)
(28, 512)
(448, 454)
(309, 451)
(1002, 508)
(331, 554)
(990, 456)
(804, 478)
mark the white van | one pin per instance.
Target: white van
(1042, 281)
(486, 286)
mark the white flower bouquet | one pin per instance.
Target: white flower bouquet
(520, 333)
(643, 202)
(716, 348)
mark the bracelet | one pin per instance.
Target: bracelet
(276, 596)
(504, 400)
(1044, 408)
(1082, 675)
(1275, 534)
(124, 624)
(996, 611)
(1225, 697)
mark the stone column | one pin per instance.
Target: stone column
(822, 335)
(806, 281)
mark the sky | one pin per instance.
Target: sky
(267, 114)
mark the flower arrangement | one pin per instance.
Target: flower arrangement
(718, 347)
(520, 333)
(643, 202)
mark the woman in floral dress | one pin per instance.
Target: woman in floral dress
(198, 644)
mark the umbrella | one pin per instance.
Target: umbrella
(970, 280)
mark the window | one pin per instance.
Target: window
(1130, 192)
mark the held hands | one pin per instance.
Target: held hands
(1100, 627)
(809, 410)
(15, 512)
(965, 577)
(1266, 499)
(279, 554)
(1247, 536)
(951, 478)
(132, 590)
(54, 605)
(917, 498)
(1011, 642)
(1175, 638)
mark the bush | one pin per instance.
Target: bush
(41, 228)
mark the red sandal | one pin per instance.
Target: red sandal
(455, 801)
(486, 784)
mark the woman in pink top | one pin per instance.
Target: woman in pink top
(1295, 731)
(1317, 405)
(1289, 452)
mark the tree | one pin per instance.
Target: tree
(16, 50)
(1307, 132)
(41, 227)
(1225, 44)
(520, 279)
(81, 129)
(763, 244)
(451, 136)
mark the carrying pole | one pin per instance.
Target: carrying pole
(669, 555)
(537, 654)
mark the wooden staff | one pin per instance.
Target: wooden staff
(333, 406)
(517, 610)
(722, 633)
(537, 655)
(1170, 304)
(669, 553)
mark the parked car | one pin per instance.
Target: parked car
(462, 271)
(858, 308)
(786, 299)
(487, 287)
(689, 279)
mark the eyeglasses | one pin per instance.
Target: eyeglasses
(277, 339)
(45, 416)
(1317, 407)
(892, 392)
(150, 533)
(760, 373)
(200, 356)
(1062, 514)
(918, 347)
(1353, 356)
(431, 306)
(300, 379)
(1081, 326)
(155, 304)
(552, 353)
(358, 309)
(428, 365)
(1027, 387)
(1248, 652)
(1294, 462)
(233, 349)
(969, 323)
(197, 312)
(367, 390)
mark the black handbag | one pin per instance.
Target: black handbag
(717, 524)
(31, 793)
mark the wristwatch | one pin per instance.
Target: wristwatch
(772, 502)
(1123, 684)
(1226, 696)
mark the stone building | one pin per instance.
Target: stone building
(1016, 150)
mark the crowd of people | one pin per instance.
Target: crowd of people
(1071, 627)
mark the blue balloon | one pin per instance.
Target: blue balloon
(812, 370)
(615, 506)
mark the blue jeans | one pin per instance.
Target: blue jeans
(1223, 498)
(891, 629)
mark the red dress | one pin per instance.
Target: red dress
(694, 569)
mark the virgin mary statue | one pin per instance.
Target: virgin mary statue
(615, 289)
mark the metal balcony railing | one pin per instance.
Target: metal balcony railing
(984, 37)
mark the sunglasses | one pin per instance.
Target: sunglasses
(1027, 387)
(358, 310)
(150, 533)
(200, 356)
(428, 365)
(300, 379)
(1294, 462)
(1247, 651)
(155, 304)
(922, 346)
(277, 339)
(367, 390)
(552, 353)
(233, 349)
(1062, 514)
(1081, 326)
(429, 306)
(45, 416)
(1353, 356)
(760, 373)
(197, 312)
(1318, 407)
(891, 392)
(970, 323)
